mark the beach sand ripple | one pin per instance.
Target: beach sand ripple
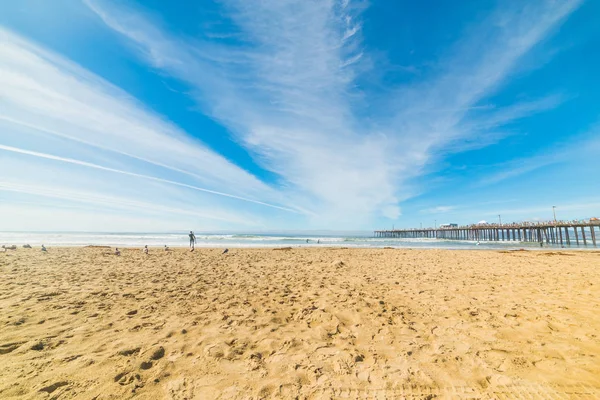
(302, 323)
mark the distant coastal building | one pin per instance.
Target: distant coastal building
(442, 226)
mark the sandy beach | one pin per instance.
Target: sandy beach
(300, 323)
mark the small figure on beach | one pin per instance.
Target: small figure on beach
(318, 241)
(225, 251)
(166, 248)
(26, 246)
(44, 248)
(117, 251)
(192, 240)
(146, 249)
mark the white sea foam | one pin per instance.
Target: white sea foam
(239, 240)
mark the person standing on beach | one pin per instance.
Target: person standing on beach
(192, 240)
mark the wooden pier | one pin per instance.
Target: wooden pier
(549, 233)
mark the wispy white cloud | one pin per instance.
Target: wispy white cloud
(542, 211)
(105, 192)
(62, 216)
(518, 167)
(109, 201)
(579, 210)
(514, 112)
(491, 126)
(288, 97)
(437, 210)
(118, 171)
(583, 147)
(439, 110)
(288, 92)
(50, 94)
(51, 109)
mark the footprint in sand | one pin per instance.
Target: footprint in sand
(53, 387)
(9, 347)
(146, 365)
(128, 378)
(158, 353)
(129, 352)
(38, 346)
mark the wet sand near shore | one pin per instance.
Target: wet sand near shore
(300, 323)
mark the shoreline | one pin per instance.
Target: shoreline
(500, 248)
(267, 241)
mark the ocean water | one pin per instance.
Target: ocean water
(237, 240)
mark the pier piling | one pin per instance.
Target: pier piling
(550, 232)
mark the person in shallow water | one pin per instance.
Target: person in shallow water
(192, 240)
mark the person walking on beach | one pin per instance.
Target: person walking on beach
(117, 251)
(192, 240)
(146, 249)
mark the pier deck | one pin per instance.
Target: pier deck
(550, 233)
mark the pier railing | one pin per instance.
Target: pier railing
(563, 233)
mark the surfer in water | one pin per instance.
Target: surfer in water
(192, 240)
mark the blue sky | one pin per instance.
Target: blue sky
(270, 115)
